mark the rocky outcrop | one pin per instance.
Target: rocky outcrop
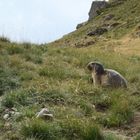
(97, 32)
(96, 7)
(95, 10)
(80, 25)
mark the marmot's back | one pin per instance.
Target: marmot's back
(115, 79)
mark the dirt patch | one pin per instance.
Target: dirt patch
(129, 46)
(127, 132)
(101, 107)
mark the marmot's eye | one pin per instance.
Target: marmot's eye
(89, 67)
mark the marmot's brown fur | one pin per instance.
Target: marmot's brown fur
(106, 77)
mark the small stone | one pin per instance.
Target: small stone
(93, 106)
(6, 116)
(81, 25)
(45, 114)
(109, 17)
(14, 109)
(12, 112)
(7, 110)
(17, 114)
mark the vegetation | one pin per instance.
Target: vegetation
(137, 137)
(68, 129)
(55, 76)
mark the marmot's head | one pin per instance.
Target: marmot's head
(96, 67)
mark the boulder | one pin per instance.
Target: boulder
(97, 32)
(95, 10)
(96, 7)
(80, 25)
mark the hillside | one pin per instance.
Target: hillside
(55, 76)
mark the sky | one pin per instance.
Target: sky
(41, 21)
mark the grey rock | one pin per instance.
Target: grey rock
(108, 17)
(6, 116)
(97, 32)
(17, 114)
(12, 112)
(14, 109)
(96, 7)
(113, 25)
(81, 25)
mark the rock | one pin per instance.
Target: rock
(101, 107)
(108, 17)
(11, 113)
(44, 114)
(110, 26)
(14, 109)
(136, 34)
(17, 114)
(7, 110)
(95, 10)
(6, 116)
(89, 43)
(97, 32)
(136, 93)
(80, 25)
(93, 106)
(84, 44)
(113, 25)
(96, 7)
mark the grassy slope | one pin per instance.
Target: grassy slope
(55, 76)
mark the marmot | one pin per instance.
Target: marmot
(106, 77)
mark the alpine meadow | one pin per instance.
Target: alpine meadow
(55, 76)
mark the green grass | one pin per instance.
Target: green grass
(15, 49)
(40, 130)
(68, 129)
(55, 76)
(62, 83)
(15, 98)
(4, 39)
(137, 137)
(111, 137)
(8, 80)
